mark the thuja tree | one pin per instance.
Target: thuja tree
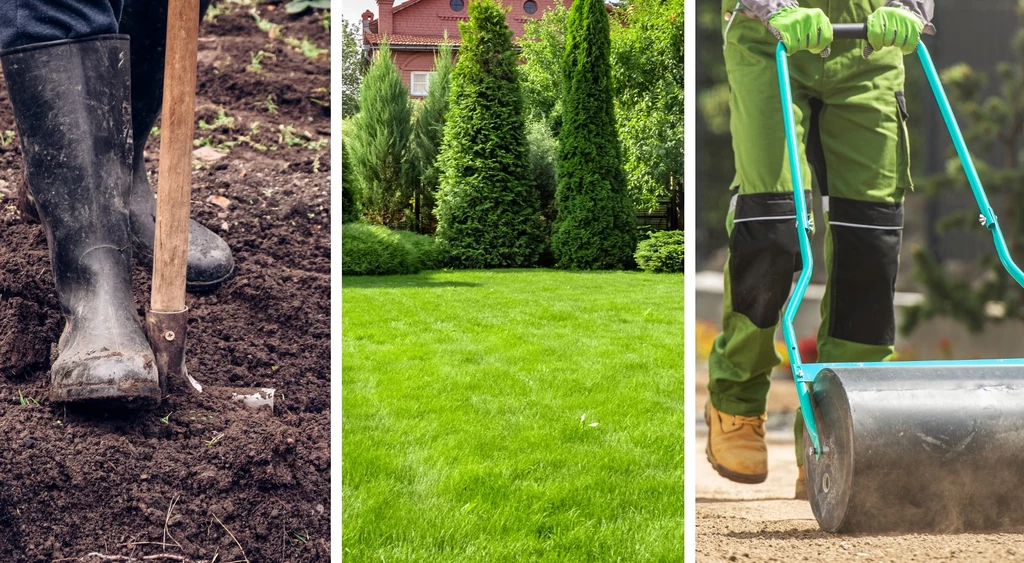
(380, 142)
(596, 223)
(992, 125)
(487, 209)
(428, 131)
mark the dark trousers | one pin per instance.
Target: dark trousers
(27, 22)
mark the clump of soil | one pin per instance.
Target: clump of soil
(197, 477)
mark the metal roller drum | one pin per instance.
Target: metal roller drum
(918, 447)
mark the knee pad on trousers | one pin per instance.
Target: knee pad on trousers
(763, 255)
(866, 240)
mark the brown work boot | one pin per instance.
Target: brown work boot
(736, 447)
(801, 484)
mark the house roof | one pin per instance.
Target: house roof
(401, 39)
(404, 5)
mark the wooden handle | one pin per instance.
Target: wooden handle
(170, 252)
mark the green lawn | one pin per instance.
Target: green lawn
(513, 415)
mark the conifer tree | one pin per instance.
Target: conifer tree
(380, 142)
(487, 209)
(595, 226)
(428, 132)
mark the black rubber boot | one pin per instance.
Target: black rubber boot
(71, 106)
(209, 258)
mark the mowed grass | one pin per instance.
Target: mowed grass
(513, 415)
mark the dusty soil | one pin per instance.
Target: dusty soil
(738, 522)
(195, 479)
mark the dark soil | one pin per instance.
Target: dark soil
(197, 478)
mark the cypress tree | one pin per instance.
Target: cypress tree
(380, 142)
(428, 132)
(596, 223)
(487, 209)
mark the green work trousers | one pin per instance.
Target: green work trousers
(850, 115)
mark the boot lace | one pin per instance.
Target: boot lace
(751, 421)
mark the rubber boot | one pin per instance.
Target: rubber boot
(736, 446)
(71, 106)
(209, 258)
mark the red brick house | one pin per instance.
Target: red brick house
(415, 28)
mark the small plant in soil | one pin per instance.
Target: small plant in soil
(306, 47)
(266, 26)
(222, 120)
(216, 438)
(269, 104)
(167, 419)
(324, 93)
(254, 130)
(256, 61)
(291, 136)
(6, 138)
(223, 147)
(212, 12)
(26, 401)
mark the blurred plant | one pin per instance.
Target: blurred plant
(992, 125)
(704, 334)
(299, 6)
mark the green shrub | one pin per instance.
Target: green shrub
(488, 215)
(374, 250)
(662, 252)
(424, 251)
(596, 223)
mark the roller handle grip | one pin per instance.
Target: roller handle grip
(849, 31)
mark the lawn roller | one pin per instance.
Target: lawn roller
(907, 446)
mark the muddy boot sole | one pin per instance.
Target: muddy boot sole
(132, 396)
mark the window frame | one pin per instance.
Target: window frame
(427, 74)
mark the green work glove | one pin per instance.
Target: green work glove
(802, 29)
(893, 27)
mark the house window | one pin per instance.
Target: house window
(530, 6)
(419, 83)
(456, 5)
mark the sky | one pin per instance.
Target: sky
(352, 9)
